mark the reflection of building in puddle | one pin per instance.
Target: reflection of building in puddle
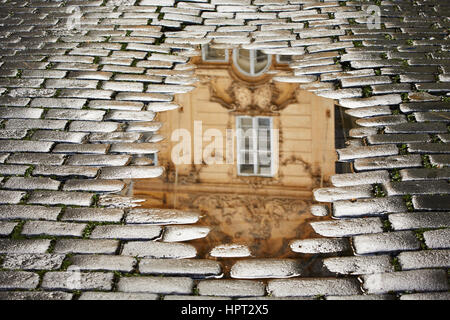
(258, 186)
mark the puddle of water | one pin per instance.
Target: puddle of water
(259, 211)
(265, 224)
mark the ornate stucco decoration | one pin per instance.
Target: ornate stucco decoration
(267, 98)
(191, 177)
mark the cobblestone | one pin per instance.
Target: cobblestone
(159, 250)
(78, 111)
(231, 288)
(80, 246)
(266, 268)
(18, 280)
(75, 280)
(416, 280)
(33, 261)
(127, 232)
(320, 245)
(313, 287)
(385, 242)
(160, 285)
(103, 262)
(194, 268)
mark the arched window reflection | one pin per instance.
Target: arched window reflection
(251, 62)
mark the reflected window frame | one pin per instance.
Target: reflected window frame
(282, 60)
(255, 146)
(207, 58)
(252, 61)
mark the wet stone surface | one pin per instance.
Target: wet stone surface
(79, 121)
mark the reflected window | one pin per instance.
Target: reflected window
(284, 59)
(254, 146)
(214, 55)
(251, 62)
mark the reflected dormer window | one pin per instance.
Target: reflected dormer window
(284, 59)
(251, 62)
(214, 55)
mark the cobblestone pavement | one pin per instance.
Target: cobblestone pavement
(82, 81)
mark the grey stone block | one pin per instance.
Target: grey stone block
(92, 214)
(35, 295)
(119, 115)
(13, 133)
(416, 280)
(159, 250)
(96, 185)
(132, 172)
(426, 296)
(76, 280)
(440, 160)
(24, 246)
(184, 233)
(424, 259)
(50, 228)
(343, 193)
(20, 113)
(392, 162)
(115, 105)
(11, 197)
(94, 126)
(134, 148)
(126, 232)
(24, 146)
(161, 285)
(33, 261)
(114, 137)
(431, 202)
(320, 245)
(73, 114)
(161, 216)
(81, 148)
(36, 158)
(103, 262)
(414, 127)
(319, 210)
(31, 183)
(6, 228)
(437, 239)
(425, 174)
(369, 297)
(18, 280)
(194, 298)
(349, 227)
(59, 136)
(13, 170)
(398, 138)
(419, 220)
(385, 242)
(95, 296)
(65, 171)
(80, 246)
(266, 268)
(98, 160)
(230, 251)
(194, 268)
(369, 207)
(359, 265)
(313, 287)
(231, 288)
(360, 178)
(61, 197)
(58, 102)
